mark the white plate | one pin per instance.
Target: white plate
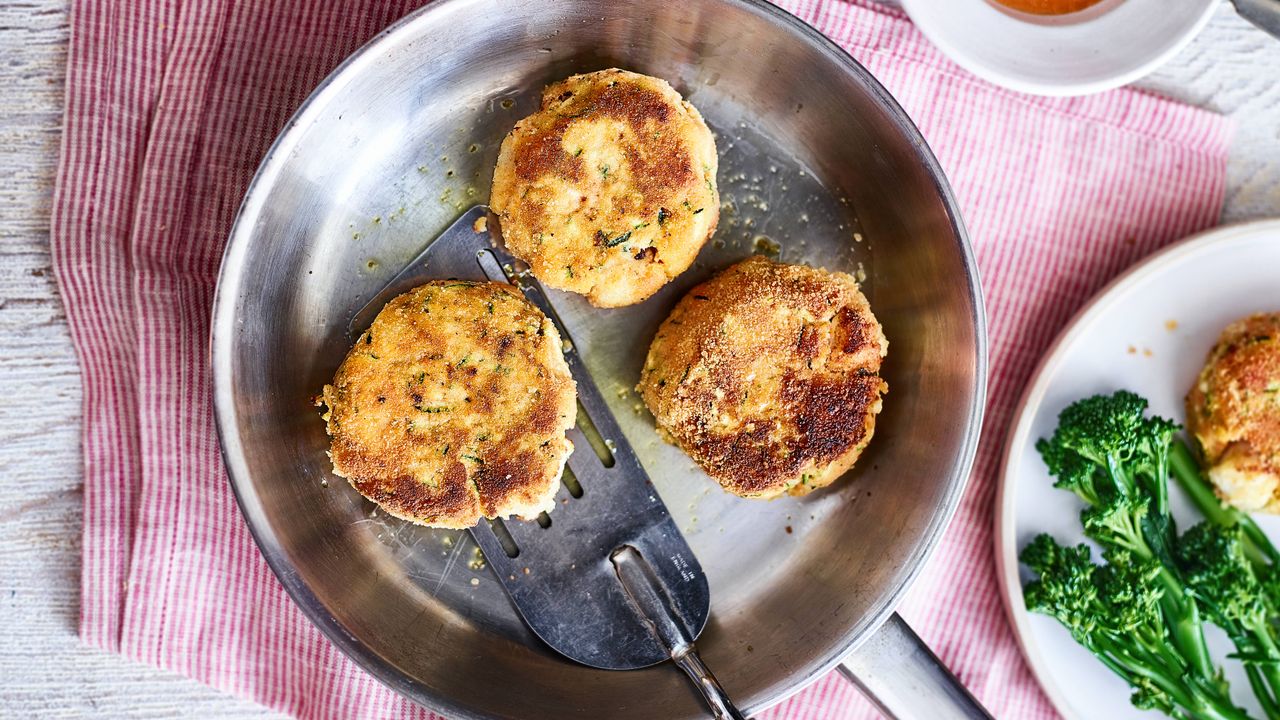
(1125, 338)
(1108, 45)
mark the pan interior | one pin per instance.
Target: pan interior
(816, 167)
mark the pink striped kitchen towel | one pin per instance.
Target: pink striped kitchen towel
(170, 106)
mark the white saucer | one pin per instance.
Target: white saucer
(1108, 45)
(1148, 332)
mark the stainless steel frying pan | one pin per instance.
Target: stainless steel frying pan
(818, 164)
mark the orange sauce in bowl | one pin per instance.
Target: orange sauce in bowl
(1048, 7)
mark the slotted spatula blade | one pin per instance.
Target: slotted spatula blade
(609, 581)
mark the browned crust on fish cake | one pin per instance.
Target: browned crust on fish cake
(1233, 410)
(454, 406)
(768, 376)
(608, 190)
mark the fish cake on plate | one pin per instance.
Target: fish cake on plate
(453, 406)
(609, 190)
(1233, 410)
(768, 375)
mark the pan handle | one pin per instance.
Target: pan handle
(1263, 13)
(902, 676)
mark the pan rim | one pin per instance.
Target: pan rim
(222, 329)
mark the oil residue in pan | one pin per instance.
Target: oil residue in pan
(772, 204)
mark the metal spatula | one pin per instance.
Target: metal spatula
(607, 579)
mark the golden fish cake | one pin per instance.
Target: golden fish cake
(1233, 410)
(610, 189)
(453, 406)
(768, 376)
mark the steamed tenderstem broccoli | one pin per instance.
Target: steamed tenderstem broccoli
(1110, 454)
(1142, 612)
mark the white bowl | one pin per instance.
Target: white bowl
(1108, 45)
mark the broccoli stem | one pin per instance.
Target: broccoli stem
(1180, 609)
(1161, 518)
(1119, 478)
(1265, 689)
(1187, 474)
(1157, 665)
(1187, 629)
(1262, 692)
(1269, 670)
(1210, 704)
(1264, 679)
(1161, 483)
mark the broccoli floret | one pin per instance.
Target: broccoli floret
(1106, 448)
(1071, 472)
(1220, 575)
(1110, 433)
(1127, 586)
(1269, 579)
(1104, 429)
(1118, 523)
(1066, 589)
(1155, 436)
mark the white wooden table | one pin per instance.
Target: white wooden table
(44, 669)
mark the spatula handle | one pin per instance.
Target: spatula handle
(722, 707)
(668, 628)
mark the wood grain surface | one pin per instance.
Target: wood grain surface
(45, 671)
